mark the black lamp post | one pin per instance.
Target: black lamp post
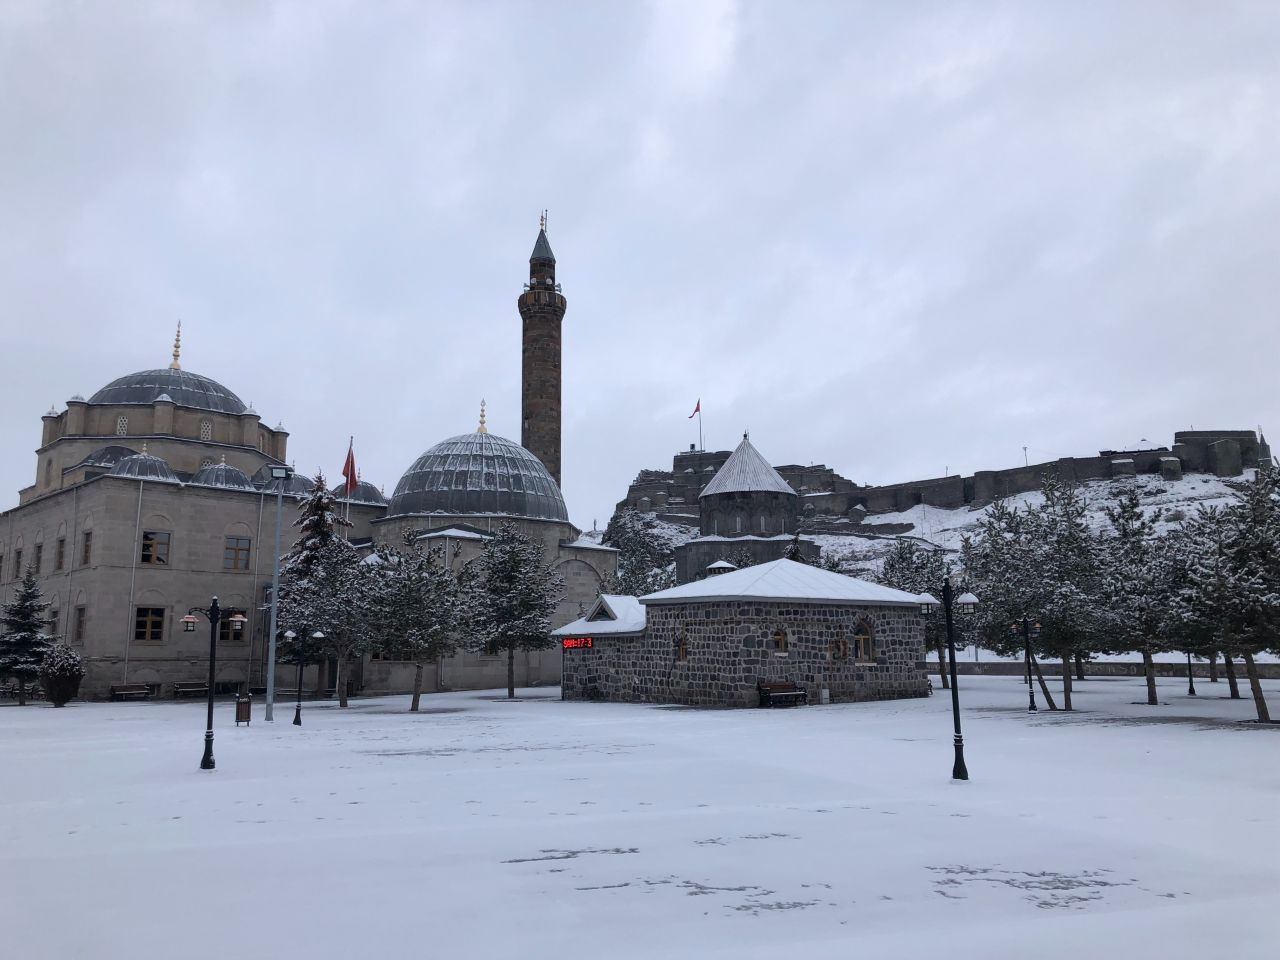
(214, 614)
(1191, 680)
(966, 603)
(290, 635)
(1030, 631)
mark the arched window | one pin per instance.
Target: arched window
(206, 430)
(122, 426)
(762, 530)
(864, 641)
(839, 647)
(738, 523)
(780, 642)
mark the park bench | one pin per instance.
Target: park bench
(780, 693)
(130, 691)
(190, 688)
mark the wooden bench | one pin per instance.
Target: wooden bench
(130, 691)
(190, 688)
(779, 693)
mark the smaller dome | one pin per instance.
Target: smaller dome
(163, 398)
(143, 466)
(365, 492)
(222, 475)
(296, 486)
(78, 398)
(106, 456)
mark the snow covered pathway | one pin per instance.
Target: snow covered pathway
(484, 828)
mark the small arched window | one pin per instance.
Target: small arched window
(48, 472)
(864, 642)
(779, 641)
(122, 426)
(206, 430)
(738, 523)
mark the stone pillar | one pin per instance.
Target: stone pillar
(163, 413)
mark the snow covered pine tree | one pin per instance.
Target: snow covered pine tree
(23, 643)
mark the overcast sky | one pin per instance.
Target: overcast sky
(893, 238)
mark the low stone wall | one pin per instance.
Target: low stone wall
(729, 646)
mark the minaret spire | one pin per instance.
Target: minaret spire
(177, 348)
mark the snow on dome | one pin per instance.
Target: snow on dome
(479, 473)
(746, 471)
(222, 475)
(785, 580)
(296, 486)
(365, 492)
(143, 466)
(184, 388)
(163, 398)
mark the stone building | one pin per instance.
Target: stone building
(747, 511)
(708, 643)
(155, 494)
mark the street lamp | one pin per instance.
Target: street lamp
(1191, 680)
(1030, 631)
(280, 474)
(290, 635)
(215, 614)
(966, 603)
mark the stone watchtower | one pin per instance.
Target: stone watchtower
(542, 309)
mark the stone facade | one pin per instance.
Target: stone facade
(542, 308)
(712, 653)
(693, 558)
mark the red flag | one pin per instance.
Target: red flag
(349, 468)
(697, 409)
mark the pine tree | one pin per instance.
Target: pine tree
(914, 569)
(645, 560)
(24, 643)
(324, 587)
(1136, 583)
(423, 605)
(512, 597)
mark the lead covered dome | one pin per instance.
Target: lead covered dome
(184, 388)
(479, 473)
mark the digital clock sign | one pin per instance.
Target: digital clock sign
(578, 643)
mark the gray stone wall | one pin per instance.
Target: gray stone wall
(693, 558)
(729, 647)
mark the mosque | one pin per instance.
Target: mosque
(156, 493)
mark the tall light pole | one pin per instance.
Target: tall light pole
(1030, 631)
(966, 603)
(1191, 680)
(289, 635)
(214, 614)
(280, 474)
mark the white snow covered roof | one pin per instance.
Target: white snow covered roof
(612, 613)
(721, 565)
(785, 580)
(453, 533)
(746, 470)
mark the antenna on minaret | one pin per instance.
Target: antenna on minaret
(482, 428)
(177, 348)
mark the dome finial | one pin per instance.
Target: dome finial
(482, 428)
(177, 348)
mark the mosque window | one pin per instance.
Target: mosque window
(206, 430)
(38, 560)
(60, 553)
(762, 525)
(682, 646)
(81, 621)
(148, 624)
(737, 523)
(86, 548)
(155, 547)
(235, 555)
(206, 462)
(17, 563)
(840, 648)
(864, 642)
(780, 641)
(122, 426)
(54, 616)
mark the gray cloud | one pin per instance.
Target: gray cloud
(893, 238)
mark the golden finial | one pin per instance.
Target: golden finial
(177, 348)
(482, 428)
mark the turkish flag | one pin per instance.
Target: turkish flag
(697, 409)
(349, 468)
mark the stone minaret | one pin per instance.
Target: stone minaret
(541, 309)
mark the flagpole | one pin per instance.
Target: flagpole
(701, 445)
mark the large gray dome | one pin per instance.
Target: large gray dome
(184, 388)
(479, 473)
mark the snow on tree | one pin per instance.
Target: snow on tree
(645, 560)
(324, 586)
(1136, 583)
(512, 597)
(61, 673)
(793, 551)
(916, 569)
(24, 643)
(423, 608)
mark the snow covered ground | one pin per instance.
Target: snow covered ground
(483, 828)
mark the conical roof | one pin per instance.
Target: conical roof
(542, 248)
(746, 471)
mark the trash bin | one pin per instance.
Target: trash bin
(244, 709)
